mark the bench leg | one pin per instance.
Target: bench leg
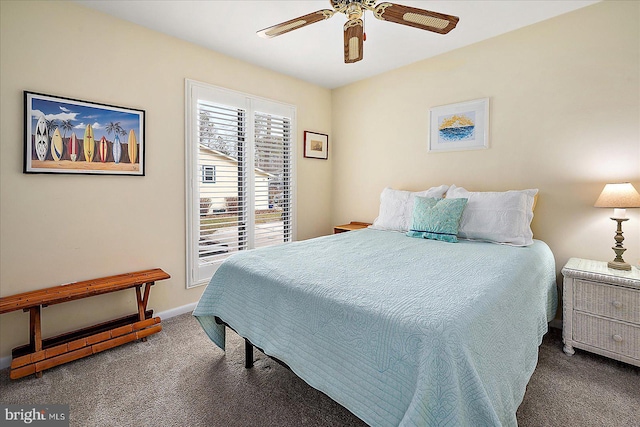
(35, 332)
(142, 301)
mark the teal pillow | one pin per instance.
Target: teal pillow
(436, 219)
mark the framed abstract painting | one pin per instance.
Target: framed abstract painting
(64, 135)
(461, 126)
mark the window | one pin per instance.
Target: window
(208, 174)
(240, 175)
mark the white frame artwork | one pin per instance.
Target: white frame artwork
(461, 126)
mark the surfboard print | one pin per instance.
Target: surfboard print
(103, 149)
(116, 149)
(73, 136)
(73, 147)
(133, 146)
(42, 138)
(56, 145)
(89, 144)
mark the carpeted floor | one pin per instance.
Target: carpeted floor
(179, 378)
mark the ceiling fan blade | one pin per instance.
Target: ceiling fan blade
(417, 18)
(296, 23)
(353, 37)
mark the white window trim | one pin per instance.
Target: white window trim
(192, 202)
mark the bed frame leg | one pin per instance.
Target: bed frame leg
(248, 354)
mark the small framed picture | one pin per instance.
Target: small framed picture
(461, 126)
(71, 136)
(316, 145)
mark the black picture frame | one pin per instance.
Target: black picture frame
(51, 144)
(316, 145)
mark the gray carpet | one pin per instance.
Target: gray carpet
(179, 378)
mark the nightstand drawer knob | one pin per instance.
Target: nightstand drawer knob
(617, 338)
(617, 304)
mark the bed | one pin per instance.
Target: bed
(400, 331)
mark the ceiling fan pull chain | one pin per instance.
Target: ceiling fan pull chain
(364, 28)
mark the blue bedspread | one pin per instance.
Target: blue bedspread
(400, 331)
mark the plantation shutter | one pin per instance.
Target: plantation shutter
(272, 179)
(240, 170)
(223, 210)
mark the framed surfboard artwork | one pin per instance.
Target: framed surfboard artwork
(71, 136)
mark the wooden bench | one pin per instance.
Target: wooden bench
(40, 354)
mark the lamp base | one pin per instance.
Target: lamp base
(617, 265)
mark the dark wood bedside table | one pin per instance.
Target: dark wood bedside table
(353, 225)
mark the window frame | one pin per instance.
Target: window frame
(205, 175)
(196, 274)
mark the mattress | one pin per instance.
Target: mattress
(400, 331)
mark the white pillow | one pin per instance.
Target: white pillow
(500, 217)
(396, 207)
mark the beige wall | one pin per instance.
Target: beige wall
(565, 118)
(60, 228)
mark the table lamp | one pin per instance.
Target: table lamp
(619, 197)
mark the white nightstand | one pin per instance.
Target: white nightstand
(601, 310)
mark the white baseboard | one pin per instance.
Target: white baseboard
(5, 362)
(173, 312)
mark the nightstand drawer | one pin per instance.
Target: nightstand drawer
(606, 300)
(620, 338)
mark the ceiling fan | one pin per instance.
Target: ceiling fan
(354, 27)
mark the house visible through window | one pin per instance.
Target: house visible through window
(209, 174)
(240, 165)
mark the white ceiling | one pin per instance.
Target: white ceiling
(315, 53)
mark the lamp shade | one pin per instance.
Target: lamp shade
(618, 196)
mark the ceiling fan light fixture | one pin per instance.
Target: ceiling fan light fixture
(354, 11)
